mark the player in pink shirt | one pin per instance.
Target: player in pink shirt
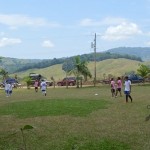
(112, 85)
(119, 86)
(36, 84)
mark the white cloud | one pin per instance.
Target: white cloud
(89, 22)
(9, 41)
(122, 31)
(16, 20)
(113, 20)
(48, 44)
(105, 21)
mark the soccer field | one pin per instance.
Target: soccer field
(75, 119)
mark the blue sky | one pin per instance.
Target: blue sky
(46, 29)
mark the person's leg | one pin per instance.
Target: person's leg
(7, 93)
(130, 98)
(120, 93)
(116, 92)
(10, 92)
(126, 98)
(112, 92)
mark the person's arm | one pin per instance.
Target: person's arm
(130, 86)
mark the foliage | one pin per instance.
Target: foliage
(80, 68)
(54, 82)
(142, 53)
(26, 127)
(68, 65)
(0, 59)
(16, 65)
(143, 71)
(116, 67)
(28, 81)
(108, 55)
(3, 73)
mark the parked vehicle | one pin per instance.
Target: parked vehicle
(135, 78)
(71, 81)
(39, 77)
(34, 76)
(12, 81)
(49, 83)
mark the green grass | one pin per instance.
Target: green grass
(104, 144)
(74, 107)
(75, 119)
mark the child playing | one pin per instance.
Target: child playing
(36, 84)
(112, 85)
(43, 87)
(7, 88)
(10, 89)
(119, 86)
(127, 89)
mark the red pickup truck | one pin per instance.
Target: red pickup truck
(71, 81)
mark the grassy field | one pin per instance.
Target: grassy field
(75, 119)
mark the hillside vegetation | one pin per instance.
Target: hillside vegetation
(142, 52)
(116, 67)
(13, 65)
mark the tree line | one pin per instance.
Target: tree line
(84, 57)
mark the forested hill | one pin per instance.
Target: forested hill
(86, 57)
(13, 65)
(143, 52)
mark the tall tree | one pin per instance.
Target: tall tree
(67, 66)
(80, 68)
(3, 73)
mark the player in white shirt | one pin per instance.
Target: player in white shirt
(7, 88)
(43, 86)
(127, 89)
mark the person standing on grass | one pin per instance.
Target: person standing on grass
(36, 84)
(112, 85)
(7, 87)
(127, 89)
(119, 86)
(10, 89)
(43, 87)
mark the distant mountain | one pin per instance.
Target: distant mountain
(143, 52)
(13, 64)
(84, 57)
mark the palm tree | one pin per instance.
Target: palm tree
(80, 68)
(143, 71)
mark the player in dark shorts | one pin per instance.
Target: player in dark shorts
(119, 86)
